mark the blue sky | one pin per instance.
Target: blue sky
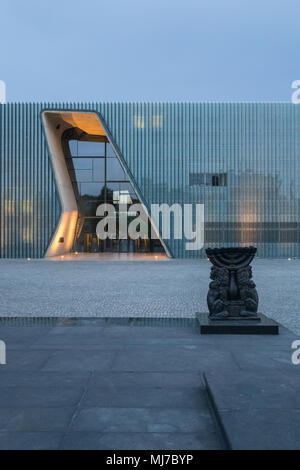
(149, 50)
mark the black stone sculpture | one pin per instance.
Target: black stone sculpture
(232, 294)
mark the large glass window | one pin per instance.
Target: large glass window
(97, 177)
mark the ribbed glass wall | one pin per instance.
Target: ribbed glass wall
(241, 160)
(29, 205)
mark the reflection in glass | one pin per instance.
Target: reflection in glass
(98, 169)
(121, 197)
(91, 189)
(81, 176)
(114, 171)
(82, 163)
(91, 149)
(109, 151)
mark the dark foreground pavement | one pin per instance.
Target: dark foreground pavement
(139, 384)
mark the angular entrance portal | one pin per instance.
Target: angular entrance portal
(89, 173)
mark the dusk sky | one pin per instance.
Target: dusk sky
(149, 50)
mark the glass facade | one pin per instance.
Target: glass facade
(241, 160)
(97, 178)
(29, 204)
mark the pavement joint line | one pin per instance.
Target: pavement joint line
(75, 413)
(216, 415)
(235, 360)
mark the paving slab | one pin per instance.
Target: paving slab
(78, 360)
(25, 378)
(258, 409)
(139, 441)
(23, 359)
(36, 419)
(12, 397)
(163, 380)
(162, 360)
(30, 440)
(136, 419)
(145, 397)
(273, 429)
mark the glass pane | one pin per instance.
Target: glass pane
(128, 187)
(91, 149)
(81, 176)
(73, 146)
(99, 169)
(89, 207)
(83, 163)
(109, 151)
(92, 190)
(114, 171)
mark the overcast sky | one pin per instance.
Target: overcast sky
(149, 50)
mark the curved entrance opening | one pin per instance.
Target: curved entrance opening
(89, 173)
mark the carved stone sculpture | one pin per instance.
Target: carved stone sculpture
(232, 294)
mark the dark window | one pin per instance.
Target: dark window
(208, 179)
(215, 180)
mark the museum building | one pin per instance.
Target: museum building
(59, 161)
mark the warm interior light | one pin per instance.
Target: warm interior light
(27, 206)
(9, 206)
(138, 121)
(88, 122)
(27, 234)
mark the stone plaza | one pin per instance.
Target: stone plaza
(107, 355)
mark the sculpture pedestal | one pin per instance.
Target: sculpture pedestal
(261, 325)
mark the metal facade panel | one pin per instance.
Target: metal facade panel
(251, 149)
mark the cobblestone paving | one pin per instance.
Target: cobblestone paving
(173, 288)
